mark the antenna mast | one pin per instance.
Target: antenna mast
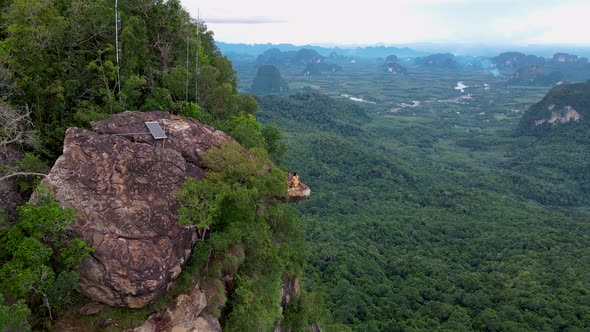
(187, 49)
(117, 25)
(197, 61)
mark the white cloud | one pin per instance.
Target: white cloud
(401, 21)
(568, 24)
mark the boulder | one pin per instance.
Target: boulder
(121, 181)
(186, 313)
(295, 195)
(91, 308)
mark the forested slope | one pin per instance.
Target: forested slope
(59, 60)
(59, 68)
(406, 240)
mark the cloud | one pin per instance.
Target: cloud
(399, 21)
(566, 23)
(241, 20)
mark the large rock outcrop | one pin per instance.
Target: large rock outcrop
(185, 313)
(122, 182)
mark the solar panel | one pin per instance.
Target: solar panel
(155, 130)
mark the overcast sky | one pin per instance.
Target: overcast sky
(366, 22)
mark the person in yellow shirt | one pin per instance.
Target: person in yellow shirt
(295, 182)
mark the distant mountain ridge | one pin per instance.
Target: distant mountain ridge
(276, 57)
(518, 68)
(536, 75)
(439, 60)
(515, 60)
(409, 50)
(362, 52)
(568, 58)
(391, 66)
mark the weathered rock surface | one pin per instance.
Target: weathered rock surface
(121, 182)
(297, 194)
(290, 290)
(91, 308)
(183, 315)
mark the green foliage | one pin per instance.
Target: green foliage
(60, 293)
(158, 98)
(38, 261)
(13, 317)
(414, 225)
(248, 104)
(135, 53)
(30, 163)
(303, 312)
(193, 111)
(174, 81)
(252, 235)
(246, 130)
(60, 57)
(199, 203)
(272, 142)
(132, 91)
(301, 113)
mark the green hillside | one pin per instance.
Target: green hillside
(415, 226)
(551, 113)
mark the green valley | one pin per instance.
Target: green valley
(428, 212)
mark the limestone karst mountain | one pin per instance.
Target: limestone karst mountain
(513, 60)
(568, 58)
(564, 106)
(276, 57)
(439, 60)
(268, 80)
(536, 75)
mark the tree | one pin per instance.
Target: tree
(14, 317)
(272, 142)
(39, 262)
(237, 206)
(16, 130)
(16, 127)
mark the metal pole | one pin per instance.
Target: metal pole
(117, 24)
(197, 63)
(187, 47)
